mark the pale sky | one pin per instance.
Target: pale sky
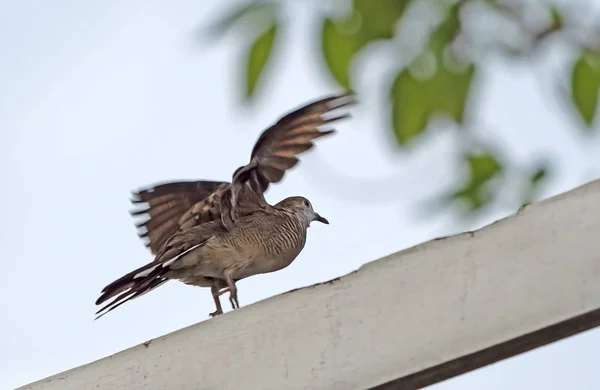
(99, 98)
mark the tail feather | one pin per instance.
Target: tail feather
(142, 289)
(132, 285)
(151, 275)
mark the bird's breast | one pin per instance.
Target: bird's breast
(272, 246)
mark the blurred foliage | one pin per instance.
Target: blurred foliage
(536, 176)
(257, 58)
(415, 100)
(437, 80)
(585, 84)
(476, 192)
(366, 22)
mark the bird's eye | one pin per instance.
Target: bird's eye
(306, 203)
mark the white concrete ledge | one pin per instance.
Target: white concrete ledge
(408, 320)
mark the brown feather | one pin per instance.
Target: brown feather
(158, 219)
(166, 203)
(173, 206)
(133, 284)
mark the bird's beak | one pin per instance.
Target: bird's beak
(321, 219)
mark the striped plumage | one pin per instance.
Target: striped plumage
(262, 242)
(185, 221)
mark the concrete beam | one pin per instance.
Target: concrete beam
(408, 320)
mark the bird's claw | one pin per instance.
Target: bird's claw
(234, 301)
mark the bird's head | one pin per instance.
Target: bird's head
(302, 207)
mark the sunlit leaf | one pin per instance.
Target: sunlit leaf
(339, 48)
(342, 39)
(585, 86)
(453, 92)
(378, 18)
(258, 56)
(476, 193)
(447, 30)
(411, 106)
(483, 167)
(415, 99)
(452, 85)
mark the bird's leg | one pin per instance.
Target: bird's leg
(215, 293)
(232, 289)
(223, 291)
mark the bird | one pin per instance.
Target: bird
(187, 221)
(266, 240)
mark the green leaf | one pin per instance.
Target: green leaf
(339, 48)
(256, 11)
(584, 87)
(453, 92)
(453, 86)
(415, 100)
(257, 58)
(342, 39)
(447, 30)
(475, 193)
(473, 198)
(557, 19)
(378, 18)
(538, 175)
(532, 186)
(483, 167)
(411, 106)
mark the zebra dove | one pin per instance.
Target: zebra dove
(266, 240)
(211, 234)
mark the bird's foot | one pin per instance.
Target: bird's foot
(234, 301)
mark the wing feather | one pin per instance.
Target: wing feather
(164, 204)
(176, 206)
(277, 147)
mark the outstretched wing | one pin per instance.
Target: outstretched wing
(181, 205)
(277, 148)
(163, 206)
